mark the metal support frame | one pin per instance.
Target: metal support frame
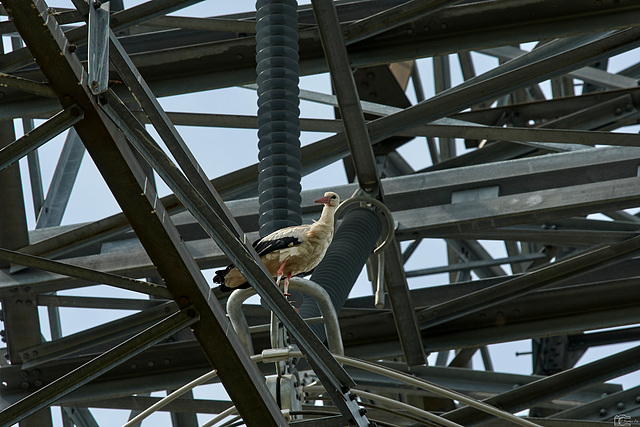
(508, 186)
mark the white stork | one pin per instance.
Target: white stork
(289, 251)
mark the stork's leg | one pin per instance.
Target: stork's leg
(286, 285)
(280, 272)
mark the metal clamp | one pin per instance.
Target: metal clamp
(391, 226)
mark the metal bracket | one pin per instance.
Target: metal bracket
(98, 47)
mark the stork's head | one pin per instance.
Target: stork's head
(330, 199)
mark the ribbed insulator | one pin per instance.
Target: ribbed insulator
(338, 271)
(278, 115)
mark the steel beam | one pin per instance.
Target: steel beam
(512, 288)
(554, 386)
(122, 173)
(62, 181)
(84, 273)
(40, 135)
(46, 396)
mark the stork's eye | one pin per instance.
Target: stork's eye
(333, 197)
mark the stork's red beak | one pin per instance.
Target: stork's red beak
(323, 200)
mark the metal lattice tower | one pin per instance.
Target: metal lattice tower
(496, 140)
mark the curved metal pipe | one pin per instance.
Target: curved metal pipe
(307, 287)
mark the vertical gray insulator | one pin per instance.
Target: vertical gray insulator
(338, 271)
(278, 115)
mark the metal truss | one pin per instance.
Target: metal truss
(539, 155)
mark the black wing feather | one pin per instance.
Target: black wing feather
(264, 246)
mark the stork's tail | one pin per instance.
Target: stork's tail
(219, 278)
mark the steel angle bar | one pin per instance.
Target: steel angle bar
(62, 181)
(553, 386)
(347, 95)
(40, 135)
(205, 24)
(83, 273)
(333, 376)
(49, 300)
(470, 265)
(98, 366)
(588, 74)
(513, 288)
(26, 85)
(98, 67)
(89, 338)
(392, 18)
(622, 402)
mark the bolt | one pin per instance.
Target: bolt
(97, 4)
(603, 412)
(352, 396)
(620, 405)
(72, 48)
(362, 411)
(37, 383)
(183, 300)
(24, 385)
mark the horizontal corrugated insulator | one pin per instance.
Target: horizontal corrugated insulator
(338, 271)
